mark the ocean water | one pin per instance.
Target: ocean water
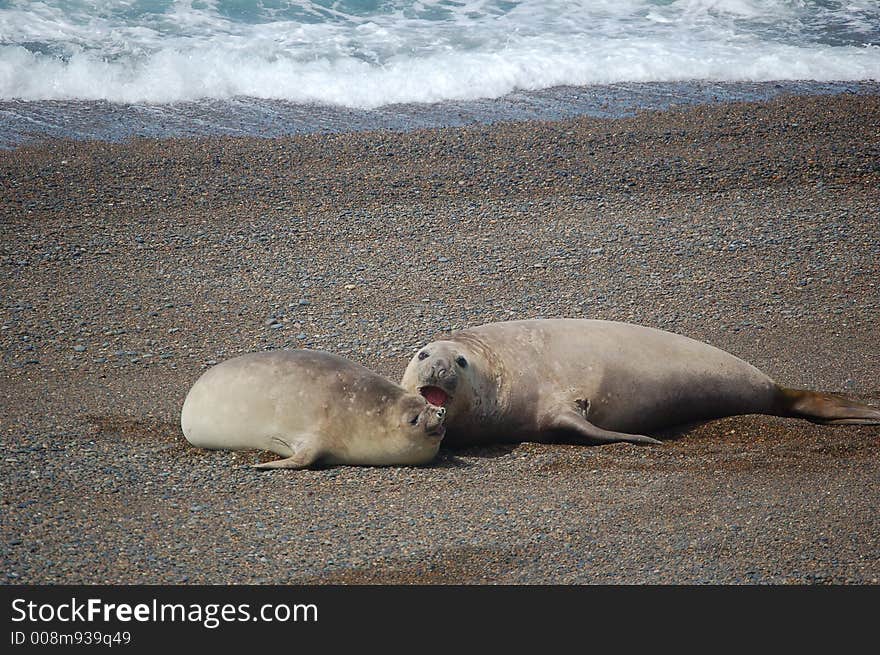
(156, 56)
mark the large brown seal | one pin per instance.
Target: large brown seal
(596, 382)
(310, 406)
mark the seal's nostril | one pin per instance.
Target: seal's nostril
(441, 413)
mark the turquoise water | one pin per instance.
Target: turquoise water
(363, 55)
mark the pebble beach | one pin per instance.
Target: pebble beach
(129, 268)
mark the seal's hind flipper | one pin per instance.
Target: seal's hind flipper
(303, 454)
(825, 409)
(574, 424)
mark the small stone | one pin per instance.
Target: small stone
(79, 348)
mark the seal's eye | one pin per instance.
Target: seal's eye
(423, 355)
(461, 361)
(414, 420)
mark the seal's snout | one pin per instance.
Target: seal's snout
(434, 421)
(434, 415)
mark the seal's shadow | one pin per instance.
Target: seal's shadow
(677, 432)
(452, 457)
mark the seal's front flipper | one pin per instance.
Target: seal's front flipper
(303, 455)
(288, 463)
(572, 423)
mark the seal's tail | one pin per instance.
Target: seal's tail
(824, 408)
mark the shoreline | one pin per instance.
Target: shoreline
(29, 122)
(129, 267)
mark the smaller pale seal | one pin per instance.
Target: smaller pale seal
(310, 406)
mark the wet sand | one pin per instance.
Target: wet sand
(23, 121)
(128, 268)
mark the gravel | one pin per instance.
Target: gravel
(129, 268)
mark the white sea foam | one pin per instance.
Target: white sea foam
(352, 54)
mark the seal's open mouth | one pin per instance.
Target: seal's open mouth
(435, 395)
